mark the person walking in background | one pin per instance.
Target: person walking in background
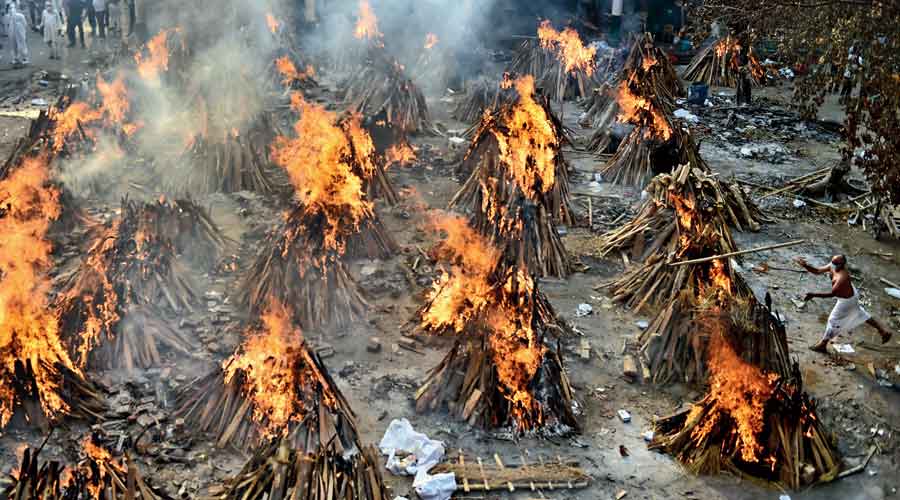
(102, 16)
(51, 24)
(92, 18)
(34, 11)
(18, 34)
(74, 21)
(113, 11)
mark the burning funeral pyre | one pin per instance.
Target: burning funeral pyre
(502, 371)
(273, 388)
(113, 308)
(37, 375)
(284, 70)
(517, 184)
(98, 475)
(644, 98)
(484, 95)
(718, 64)
(683, 220)
(331, 166)
(561, 65)
(755, 421)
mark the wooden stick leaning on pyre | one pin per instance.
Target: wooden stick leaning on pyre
(273, 387)
(278, 471)
(503, 370)
(113, 307)
(381, 90)
(99, 475)
(755, 421)
(718, 64)
(37, 375)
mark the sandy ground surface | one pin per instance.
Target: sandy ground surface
(380, 386)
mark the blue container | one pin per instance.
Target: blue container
(697, 93)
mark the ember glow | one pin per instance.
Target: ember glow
(290, 73)
(573, 54)
(28, 328)
(156, 61)
(640, 111)
(461, 293)
(740, 391)
(430, 41)
(401, 154)
(320, 164)
(529, 145)
(272, 23)
(367, 23)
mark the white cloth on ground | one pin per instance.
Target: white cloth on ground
(846, 315)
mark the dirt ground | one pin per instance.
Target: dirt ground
(380, 386)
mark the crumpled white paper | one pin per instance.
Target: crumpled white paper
(424, 453)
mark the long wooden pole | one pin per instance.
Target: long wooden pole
(740, 252)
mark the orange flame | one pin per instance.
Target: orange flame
(278, 373)
(401, 154)
(116, 104)
(460, 295)
(640, 111)
(529, 145)
(157, 60)
(325, 163)
(290, 73)
(568, 47)
(740, 391)
(29, 331)
(272, 23)
(367, 24)
(430, 41)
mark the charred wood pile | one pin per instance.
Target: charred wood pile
(113, 307)
(648, 64)
(517, 187)
(273, 387)
(330, 164)
(756, 421)
(504, 369)
(719, 64)
(38, 379)
(561, 65)
(277, 471)
(98, 475)
(381, 90)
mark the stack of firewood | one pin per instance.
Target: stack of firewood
(228, 161)
(82, 399)
(649, 65)
(381, 90)
(718, 64)
(113, 306)
(756, 421)
(97, 476)
(278, 471)
(656, 225)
